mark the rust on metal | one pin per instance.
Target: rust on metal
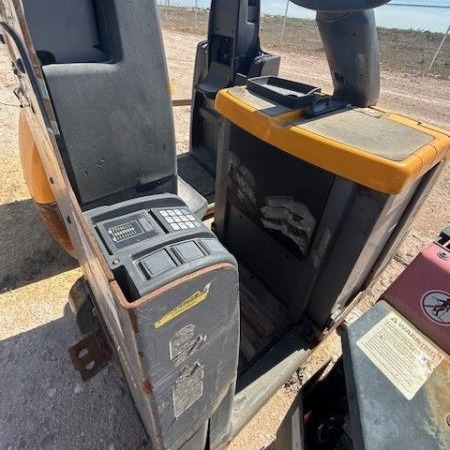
(20, 14)
(53, 221)
(146, 387)
(78, 296)
(81, 304)
(133, 320)
(340, 318)
(90, 355)
(163, 289)
(33, 170)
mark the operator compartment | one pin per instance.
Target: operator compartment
(313, 196)
(177, 322)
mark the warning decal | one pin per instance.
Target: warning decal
(436, 306)
(189, 303)
(401, 353)
(188, 388)
(184, 344)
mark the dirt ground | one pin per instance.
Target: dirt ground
(408, 51)
(43, 404)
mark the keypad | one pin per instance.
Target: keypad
(179, 219)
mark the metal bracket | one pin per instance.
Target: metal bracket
(81, 304)
(90, 355)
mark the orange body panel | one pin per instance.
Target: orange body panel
(284, 130)
(33, 170)
(39, 187)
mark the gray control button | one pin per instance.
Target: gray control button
(188, 251)
(183, 226)
(175, 227)
(158, 263)
(213, 246)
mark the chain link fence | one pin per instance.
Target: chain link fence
(411, 51)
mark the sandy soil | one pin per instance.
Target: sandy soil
(408, 51)
(43, 403)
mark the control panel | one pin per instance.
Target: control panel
(181, 326)
(151, 241)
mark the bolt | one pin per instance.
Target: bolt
(447, 419)
(116, 261)
(443, 255)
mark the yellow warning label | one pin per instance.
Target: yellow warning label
(189, 303)
(401, 353)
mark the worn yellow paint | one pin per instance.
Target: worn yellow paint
(378, 173)
(187, 304)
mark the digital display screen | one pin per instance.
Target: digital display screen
(125, 231)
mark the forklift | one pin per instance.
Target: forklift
(211, 276)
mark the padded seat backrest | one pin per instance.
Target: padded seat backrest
(108, 83)
(64, 29)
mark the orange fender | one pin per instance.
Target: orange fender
(39, 187)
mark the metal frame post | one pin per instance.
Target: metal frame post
(439, 48)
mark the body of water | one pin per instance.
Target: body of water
(431, 15)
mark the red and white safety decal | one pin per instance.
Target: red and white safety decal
(436, 306)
